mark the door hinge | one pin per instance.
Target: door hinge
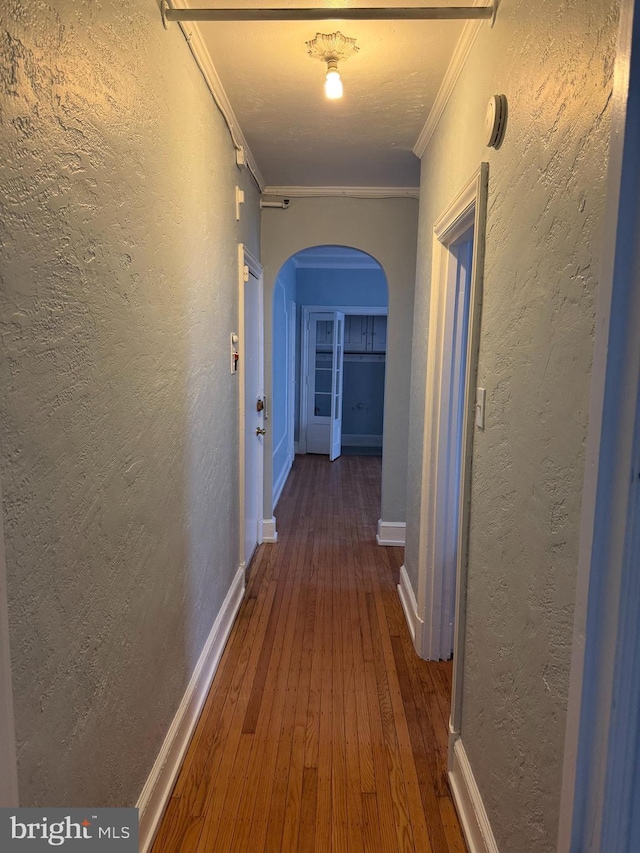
(245, 273)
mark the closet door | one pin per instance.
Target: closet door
(378, 327)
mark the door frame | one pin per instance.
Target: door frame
(248, 265)
(8, 759)
(468, 209)
(306, 311)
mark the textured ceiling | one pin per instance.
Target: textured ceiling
(298, 136)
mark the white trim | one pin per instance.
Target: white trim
(460, 55)
(354, 440)
(358, 310)
(466, 210)
(364, 262)
(391, 532)
(604, 667)
(269, 532)
(8, 759)
(409, 604)
(466, 796)
(158, 787)
(345, 192)
(296, 448)
(203, 59)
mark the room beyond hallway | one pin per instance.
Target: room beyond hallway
(323, 730)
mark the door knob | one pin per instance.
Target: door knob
(260, 431)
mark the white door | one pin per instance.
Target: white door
(453, 376)
(324, 382)
(251, 412)
(336, 388)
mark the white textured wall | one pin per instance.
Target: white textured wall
(553, 59)
(385, 229)
(118, 414)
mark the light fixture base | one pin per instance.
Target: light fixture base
(164, 6)
(332, 46)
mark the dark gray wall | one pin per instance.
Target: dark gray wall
(554, 62)
(117, 407)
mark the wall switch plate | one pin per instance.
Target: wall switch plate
(481, 397)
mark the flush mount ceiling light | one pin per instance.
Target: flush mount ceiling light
(332, 48)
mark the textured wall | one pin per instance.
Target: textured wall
(118, 411)
(363, 398)
(342, 287)
(553, 60)
(386, 229)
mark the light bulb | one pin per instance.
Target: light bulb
(333, 83)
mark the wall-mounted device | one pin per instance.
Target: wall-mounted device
(283, 203)
(235, 355)
(495, 121)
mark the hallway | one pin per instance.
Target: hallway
(323, 729)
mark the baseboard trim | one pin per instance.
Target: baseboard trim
(466, 796)
(353, 440)
(269, 532)
(391, 532)
(409, 603)
(282, 481)
(158, 787)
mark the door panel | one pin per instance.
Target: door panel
(324, 382)
(253, 419)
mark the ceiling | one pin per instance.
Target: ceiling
(300, 138)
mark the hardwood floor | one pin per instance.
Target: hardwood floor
(323, 730)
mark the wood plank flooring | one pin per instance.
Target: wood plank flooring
(323, 730)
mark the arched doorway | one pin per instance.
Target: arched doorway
(329, 318)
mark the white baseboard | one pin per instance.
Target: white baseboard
(391, 532)
(158, 787)
(269, 532)
(296, 447)
(466, 796)
(281, 481)
(409, 604)
(361, 440)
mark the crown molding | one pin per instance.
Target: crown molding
(460, 55)
(328, 264)
(203, 58)
(344, 192)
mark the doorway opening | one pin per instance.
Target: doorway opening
(454, 410)
(330, 308)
